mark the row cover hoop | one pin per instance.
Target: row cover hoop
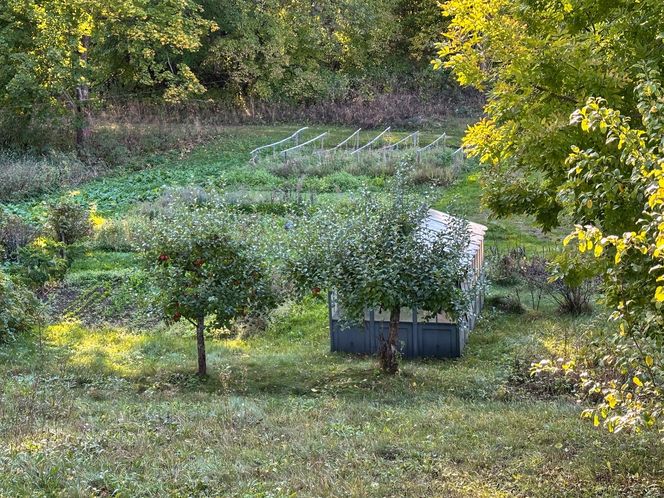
(370, 142)
(457, 155)
(321, 137)
(415, 137)
(295, 136)
(355, 134)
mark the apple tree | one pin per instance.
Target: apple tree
(379, 254)
(206, 271)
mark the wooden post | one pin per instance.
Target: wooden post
(200, 342)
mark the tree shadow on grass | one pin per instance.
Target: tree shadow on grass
(166, 361)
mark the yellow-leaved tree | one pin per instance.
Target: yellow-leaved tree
(600, 62)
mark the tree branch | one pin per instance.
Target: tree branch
(565, 98)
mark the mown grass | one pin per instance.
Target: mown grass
(103, 401)
(105, 410)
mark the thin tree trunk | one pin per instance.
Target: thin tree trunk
(388, 350)
(200, 340)
(83, 130)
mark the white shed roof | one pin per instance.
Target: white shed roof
(437, 220)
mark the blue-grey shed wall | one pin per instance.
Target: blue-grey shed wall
(436, 340)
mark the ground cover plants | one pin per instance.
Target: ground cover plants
(190, 217)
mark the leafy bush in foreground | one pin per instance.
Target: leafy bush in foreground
(19, 308)
(633, 283)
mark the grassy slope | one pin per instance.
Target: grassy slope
(100, 410)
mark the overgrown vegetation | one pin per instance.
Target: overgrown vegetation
(107, 355)
(171, 222)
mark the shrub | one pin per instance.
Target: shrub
(69, 219)
(433, 175)
(535, 274)
(22, 176)
(574, 281)
(506, 304)
(118, 235)
(19, 308)
(14, 234)
(546, 378)
(504, 268)
(41, 262)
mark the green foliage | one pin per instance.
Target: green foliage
(575, 278)
(27, 175)
(205, 267)
(601, 63)
(380, 254)
(15, 233)
(538, 62)
(306, 53)
(62, 61)
(341, 171)
(69, 219)
(54, 54)
(19, 308)
(118, 234)
(42, 261)
(633, 397)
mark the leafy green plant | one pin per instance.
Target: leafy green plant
(512, 51)
(631, 167)
(118, 234)
(69, 219)
(380, 254)
(574, 281)
(15, 233)
(205, 269)
(19, 308)
(41, 262)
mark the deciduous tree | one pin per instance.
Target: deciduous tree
(205, 271)
(379, 254)
(55, 55)
(538, 61)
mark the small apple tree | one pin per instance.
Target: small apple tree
(205, 270)
(379, 254)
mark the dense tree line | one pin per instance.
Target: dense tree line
(301, 50)
(60, 59)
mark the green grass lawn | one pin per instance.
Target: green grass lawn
(109, 406)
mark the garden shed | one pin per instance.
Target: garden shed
(439, 336)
